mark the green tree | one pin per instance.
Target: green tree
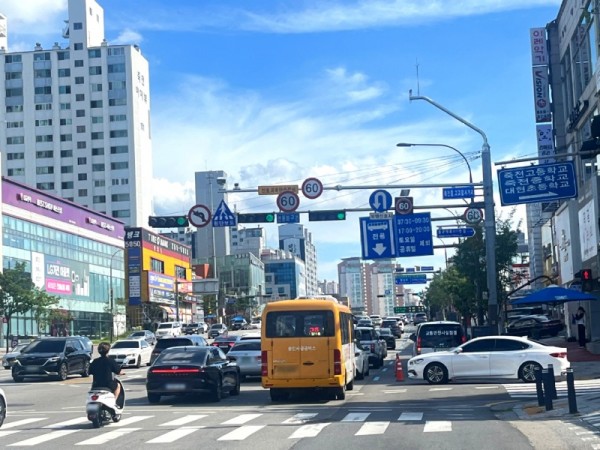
(42, 308)
(449, 291)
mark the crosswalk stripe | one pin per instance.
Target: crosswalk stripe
(241, 419)
(370, 428)
(437, 426)
(129, 420)
(183, 420)
(241, 433)
(174, 435)
(309, 430)
(411, 416)
(440, 389)
(43, 438)
(18, 423)
(67, 423)
(5, 433)
(356, 417)
(299, 418)
(108, 436)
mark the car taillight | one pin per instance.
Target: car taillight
(372, 348)
(419, 345)
(463, 339)
(337, 362)
(559, 355)
(95, 397)
(264, 367)
(231, 344)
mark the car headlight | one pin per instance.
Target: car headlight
(415, 361)
(131, 355)
(53, 359)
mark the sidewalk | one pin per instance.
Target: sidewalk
(585, 365)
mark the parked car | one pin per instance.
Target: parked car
(489, 357)
(396, 327)
(131, 352)
(247, 356)
(435, 336)
(369, 338)
(52, 356)
(361, 356)
(190, 340)
(3, 406)
(238, 323)
(536, 326)
(147, 335)
(217, 329)
(9, 358)
(225, 342)
(388, 337)
(168, 329)
(192, 370)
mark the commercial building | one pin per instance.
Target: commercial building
(75, 117)
(296, 239)
(73, 253)
(284, 275)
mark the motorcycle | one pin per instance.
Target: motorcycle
(102, 406)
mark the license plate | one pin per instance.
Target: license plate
(32, 369)
(175, 386)
(223, 346)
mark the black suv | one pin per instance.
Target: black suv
(52, 356)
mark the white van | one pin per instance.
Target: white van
(168, 329)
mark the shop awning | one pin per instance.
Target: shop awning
(168, 309)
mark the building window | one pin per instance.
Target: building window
(66, 169)
(41, 56)
(116, 85)
(96, 87)
(44, 170)
(14, 108)
(99, 183)
(66, 153)
(13, 75)
(14, 92)
(82, 176)
(62, 56)
(119, 165)
(82, 193)
(49, 186)
(82, 160)
(97, 151)
(64, 89)
(77, 26)
(13, 156)
(66, 137)
(43, 107)
(121, 213)
(16, 172)
(97, 119)
(116, 51)
(14, 140)
(44, 154)
(156, 265)
(118, 133)
(79, 63)
(80, 128)
(78, 46)
(42, 73)
(43, 90)
(12, 59)
(66, 185)
(66, 121)
(96, 104)
(118, 117)
(124, 181)
(79, 97)
(117, 102)
(97, 135)
(99, 199)
(81, 145)
(120, 198)
(97, 167)
(63, 73)
(65, 106)
(95, 70)
(43, 123)
(116, 68)
(94, 53)
(44, 138)
(117, 149)
(79, 80)
(18, 124)
(80, 113)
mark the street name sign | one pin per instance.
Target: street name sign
(458, 192)
(455, 232)
(415, 278)
(277, 189)
(538, 183)
(408, 309)
(288, 217)
(377, 238)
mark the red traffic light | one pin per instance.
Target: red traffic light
(586, 274)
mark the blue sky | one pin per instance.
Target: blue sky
(274, 92)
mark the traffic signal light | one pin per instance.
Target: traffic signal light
(256, 218)
(168, 221)
(587, 281)
(333, 214)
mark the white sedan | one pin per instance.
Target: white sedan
(489, 357)
(131, 352)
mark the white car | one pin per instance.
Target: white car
(168, 329)
(2, 407)
(131, 352)
(489, 357)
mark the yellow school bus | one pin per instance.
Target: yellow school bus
(307, 344)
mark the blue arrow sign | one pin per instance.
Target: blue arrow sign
(458, 192)
(539, 183)
(380, 200)
(413, 234)
(455, 232)
(223, 216)
(377, 238)
(288, 217)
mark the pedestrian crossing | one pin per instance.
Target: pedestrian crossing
(528, 390)
(37, 431)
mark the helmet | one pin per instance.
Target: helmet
(103, 348)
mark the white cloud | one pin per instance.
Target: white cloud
(127, 36)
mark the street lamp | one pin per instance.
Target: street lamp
(111, 295)
(488, 201)
(410, 144)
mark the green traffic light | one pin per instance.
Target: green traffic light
(270, 218)
(341, 215)
(181, 221)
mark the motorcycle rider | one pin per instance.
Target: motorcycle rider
(103, 369)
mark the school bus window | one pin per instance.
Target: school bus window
(299, 324)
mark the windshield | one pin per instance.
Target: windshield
(364, 335)
(46, 346)
(246, 346)
(182, 356)
(137, 333)
(176, 342)
(444, 336)
(165, 325)
(126, 344)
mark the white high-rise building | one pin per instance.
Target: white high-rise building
(296, 239)
(75, 117)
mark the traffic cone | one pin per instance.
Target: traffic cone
(399, 372)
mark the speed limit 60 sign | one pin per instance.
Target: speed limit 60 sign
(473, 216)
(404, 205)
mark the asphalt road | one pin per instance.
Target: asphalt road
(379, 413)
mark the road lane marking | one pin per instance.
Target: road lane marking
(174, 435)
(241, 419)
(411, 416)
(371, 428)
(67, 423)
(183, 420)
(109, 436)
(437, 426)
(309, 430)
(43, 438)
(487, 387)
(440, 389)
(129, 420)
(395, 391)
(18, 423)
(241, 433)
(356, 417)
(8, 433)
(299, 418)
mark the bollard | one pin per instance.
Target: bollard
(399, 372)
(547, 390)
(552, 379)
(571, 391)
(538, 386)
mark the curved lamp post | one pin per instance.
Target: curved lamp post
(410, 144)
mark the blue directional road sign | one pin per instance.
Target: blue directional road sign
(539, 183)
(223, 216)
(458, 192)
(455, 232)
(380, 200)
(377, 238)
(426, 268)
(413, 234)
(288, 217)
(410, 279)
